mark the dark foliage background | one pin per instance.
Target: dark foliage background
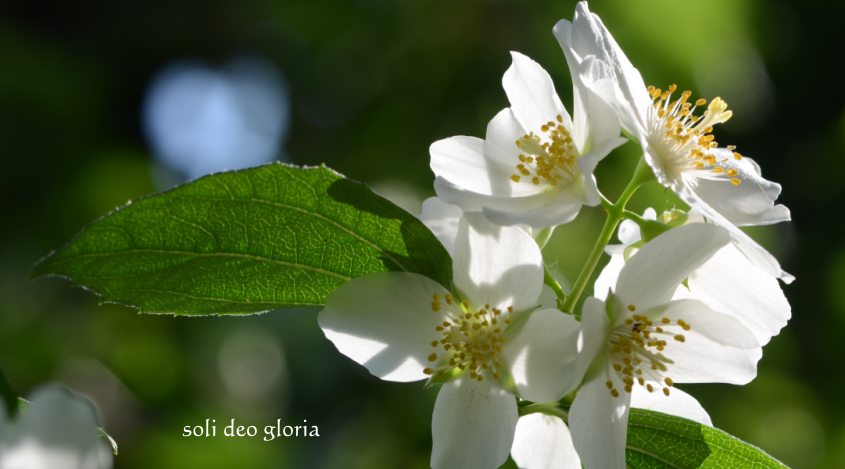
(370, 85)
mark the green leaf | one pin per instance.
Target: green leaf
(657, 440)
(244, 242)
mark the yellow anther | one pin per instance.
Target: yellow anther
(735, 181)
(680, 338)
(700, 102)
(428, 371)
(432, 357)
(614, 393)
(666, 392)
(632, 308)
(731, 172)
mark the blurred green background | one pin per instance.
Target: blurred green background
(366, 86)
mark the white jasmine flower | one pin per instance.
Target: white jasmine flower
(56, 430)
(485, 345)
(675, 133)
(535, 167)
(640, 339)
(727, 282)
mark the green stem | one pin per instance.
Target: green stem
(548, 409)
(549, 280)
(615, 214)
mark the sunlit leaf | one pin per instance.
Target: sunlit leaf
(657, 440)
(246, 241)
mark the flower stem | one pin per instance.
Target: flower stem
(549, 280)
(548, 409)
(615, 214)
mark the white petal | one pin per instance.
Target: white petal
(551, 209)
(627, 95)
(716, 349)
(751, 202)
(731, 284)
(599, 425)
(496, 265)
(593, 120)
(595, 328)
(472, 426)
(539, 205)
(384, 321)
(442, 219)
(462, 161)
(629, 232)
(606, 280)
(651, 275)
(676, 403)
(758, 255)
(543, 442)
(542, 356)
(532, 94)
(500, 147)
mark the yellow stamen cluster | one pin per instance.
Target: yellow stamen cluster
(690, 136)
(470, 340)
(636, 351)
(549, 157)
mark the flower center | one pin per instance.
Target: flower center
(469, 340)
(685, 139)
(549, 157)
(636, 351)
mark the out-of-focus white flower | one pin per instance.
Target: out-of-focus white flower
(56, 431)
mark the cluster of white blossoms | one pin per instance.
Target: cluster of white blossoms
(536, 372)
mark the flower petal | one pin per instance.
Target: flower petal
(749, 203)
(757, 254)
(606, 280)
(676, 403)
(551, 209)
(500, 266)
(543, 442)
(532, 94)
(599, 424)
(542, 356)
(442, 219)
(731, 284)
(651, 276)
(715, 347)
(593, 120)
(472, 425)
(503, 131)
(384, 321)
(595, 328)
(462, 161)
(587, 36)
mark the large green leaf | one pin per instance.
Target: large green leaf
(246, 241)
(657, 440)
